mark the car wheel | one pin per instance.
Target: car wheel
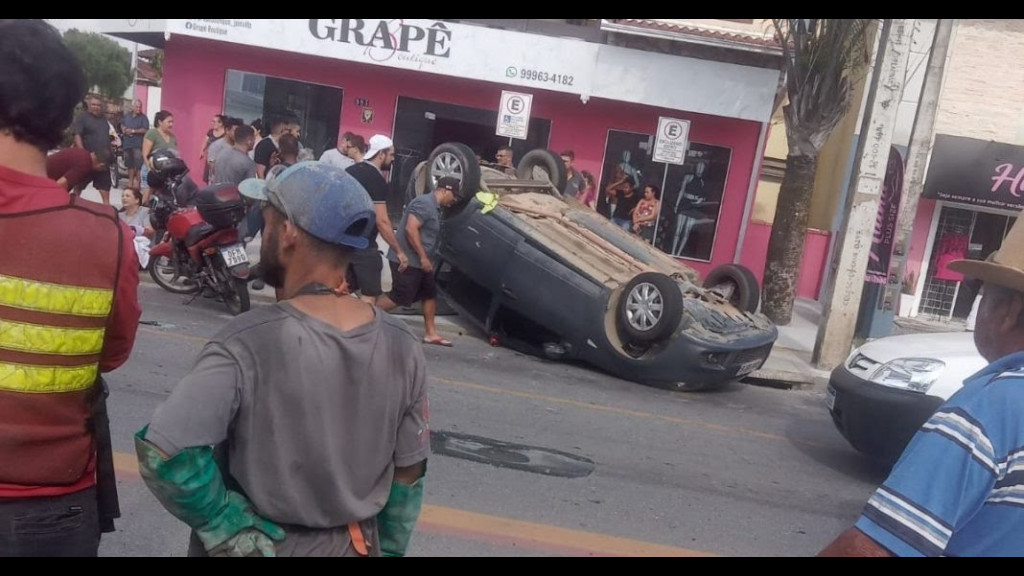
(737, 284)
(543, 162)
(417, 185)
(650, 308)
(458, 161)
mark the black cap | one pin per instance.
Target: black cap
(450, 183)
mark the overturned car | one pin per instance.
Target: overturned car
(535, 269)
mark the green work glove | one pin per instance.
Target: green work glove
(396, 521)
(191, 487)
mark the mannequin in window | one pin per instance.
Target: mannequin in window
(688, 208)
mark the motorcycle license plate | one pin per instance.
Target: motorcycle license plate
(234, 255)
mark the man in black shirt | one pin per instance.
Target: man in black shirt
(266, 149)
(365, 266)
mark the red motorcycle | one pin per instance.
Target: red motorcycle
(201, 250)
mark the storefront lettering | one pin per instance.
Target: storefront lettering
(392, 36)
(1004, 174)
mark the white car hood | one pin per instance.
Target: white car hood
(955, 349)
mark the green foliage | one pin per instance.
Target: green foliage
(822, 59)
(107, 64)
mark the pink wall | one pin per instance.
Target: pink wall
(755, 254)
(193, 88)
(919, 237)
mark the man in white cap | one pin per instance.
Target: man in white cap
(366, 265)
(319, 402)
(958, 488)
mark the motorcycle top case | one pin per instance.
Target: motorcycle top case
(221, 205)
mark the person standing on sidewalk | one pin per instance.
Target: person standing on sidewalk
(92, 132)
(419, 234)
(302, 430)
(367, 264)
(68, 312)
(957, 489)
(135, 125)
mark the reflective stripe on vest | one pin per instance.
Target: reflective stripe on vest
(31, 338)
(53, 298)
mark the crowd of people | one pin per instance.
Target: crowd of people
(302, 428)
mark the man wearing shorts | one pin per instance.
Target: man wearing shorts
(419, 235)
(92, 132)
(135, 125)
(366, 265)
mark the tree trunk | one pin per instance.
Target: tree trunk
(789, 231)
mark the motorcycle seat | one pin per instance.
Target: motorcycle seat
(196, 233)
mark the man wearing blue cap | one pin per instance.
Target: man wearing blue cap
(302, 429)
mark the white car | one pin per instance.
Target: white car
(889, 387)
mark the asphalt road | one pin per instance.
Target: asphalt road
(535, 458)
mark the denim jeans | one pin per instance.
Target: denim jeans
(624, 223)
(253, 221)
(66, 526)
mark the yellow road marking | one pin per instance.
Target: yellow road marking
(504, 531)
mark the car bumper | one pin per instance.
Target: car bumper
(686, 359)
(876, 420)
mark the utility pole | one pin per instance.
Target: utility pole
(842, 303)
(921, 137)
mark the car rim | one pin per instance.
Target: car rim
(644, 306)
(446, 164)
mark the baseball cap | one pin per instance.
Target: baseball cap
(323, 200)
(449, 183)
(378, 143)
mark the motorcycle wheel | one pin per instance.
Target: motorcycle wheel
(236, 296)
(167, 274)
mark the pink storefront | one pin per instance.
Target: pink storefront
(424, 82)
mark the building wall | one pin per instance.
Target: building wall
(983, 89)
(194, 77)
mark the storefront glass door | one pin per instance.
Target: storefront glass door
(961, 234)
(317, 108)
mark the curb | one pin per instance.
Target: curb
(788, 380)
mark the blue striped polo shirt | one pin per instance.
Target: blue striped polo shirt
(958, 489)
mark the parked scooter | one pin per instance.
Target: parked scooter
(201, 249)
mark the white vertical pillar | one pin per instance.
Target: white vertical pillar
(842, 302)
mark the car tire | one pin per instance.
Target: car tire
(743, 293)
(546, 160)
(650, 308)
(456, 160)
(417, 185)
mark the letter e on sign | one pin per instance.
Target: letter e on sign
(514, 115)
(672, 141)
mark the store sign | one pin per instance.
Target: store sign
(432, 46)
(883, 241)
(671, 142)
(976, 172)
(514, 115)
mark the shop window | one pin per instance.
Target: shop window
(317, 108)
(690, 194)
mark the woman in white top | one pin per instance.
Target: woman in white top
(134, 214)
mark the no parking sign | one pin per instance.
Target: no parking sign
(514, 114)
(672, 141)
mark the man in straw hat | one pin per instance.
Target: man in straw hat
(958, 489)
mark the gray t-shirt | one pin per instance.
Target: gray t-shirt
(316, 419)
(232, 167)
(95, 133)
(334, 157)
(574, 184)
(218, 147)
(427, 211)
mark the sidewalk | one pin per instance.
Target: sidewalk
(789, 365)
